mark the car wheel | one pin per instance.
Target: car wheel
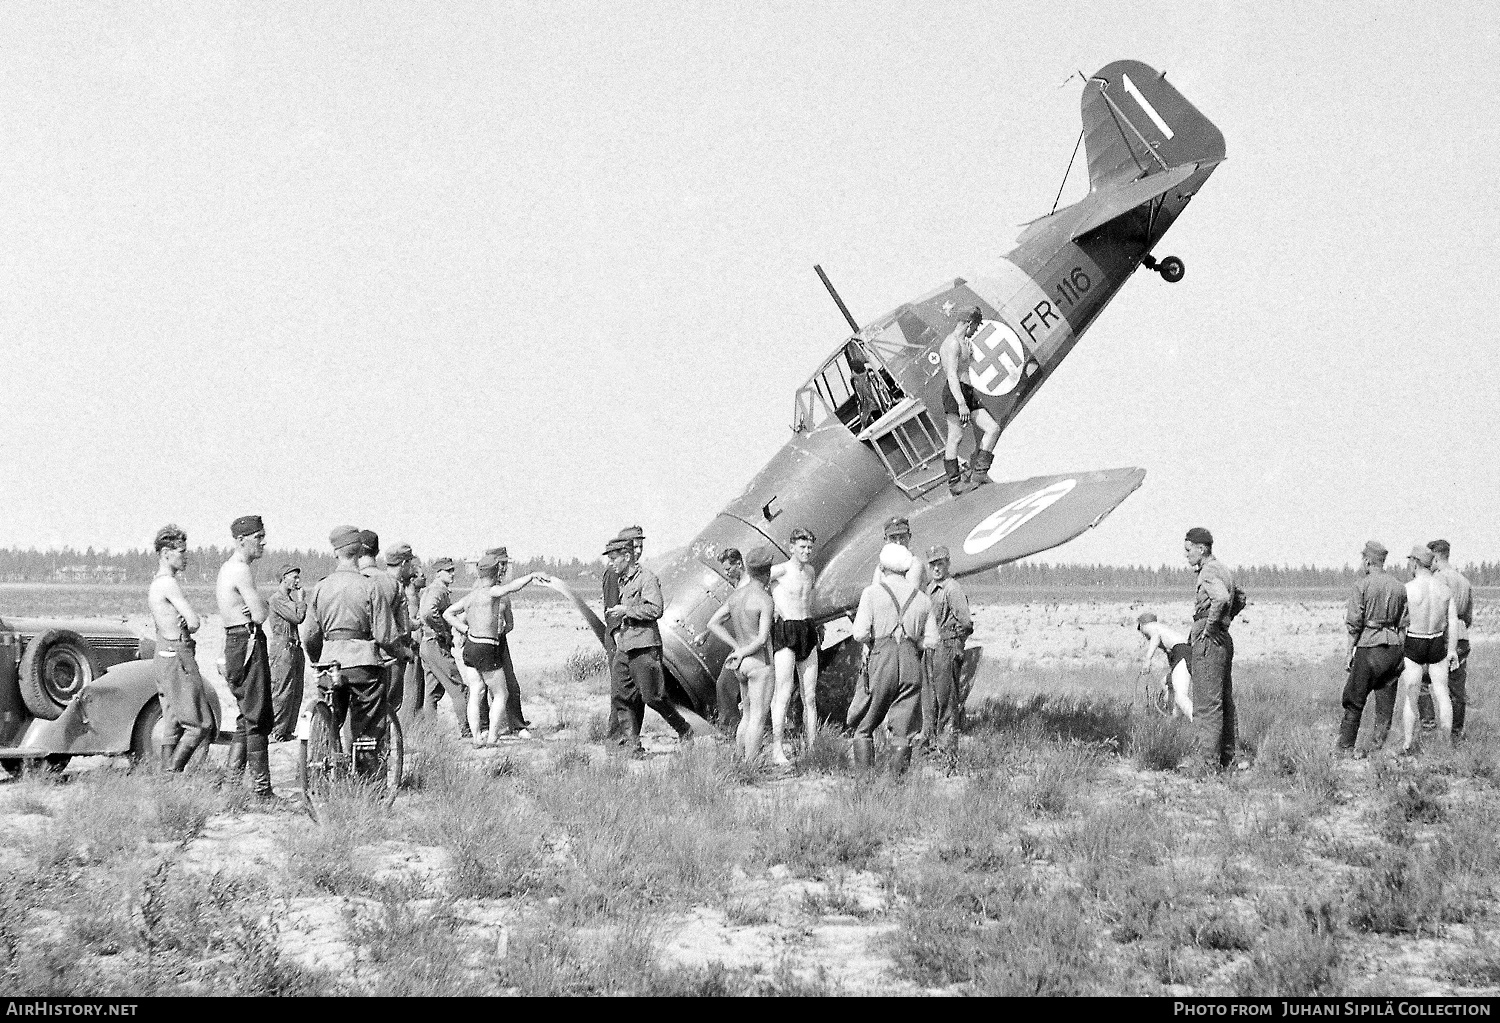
(50, 766)
(11, 766)
(146, 737)
(56, 667)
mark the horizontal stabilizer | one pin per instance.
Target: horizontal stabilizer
(1117, 200)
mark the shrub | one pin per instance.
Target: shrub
(584, 663)
(1401, 894)
(1160, 744)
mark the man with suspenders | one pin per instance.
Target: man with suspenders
(895, 623)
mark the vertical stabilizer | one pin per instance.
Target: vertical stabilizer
(1135, 124)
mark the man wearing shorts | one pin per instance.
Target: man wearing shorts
(188, 715)
(1434, 620)
(1175, 645)
(750, 613)
(961, 406)
(485, 619)
(727, 686)
(247, 664)
(795, 639)
(1458, 676)
(1376, 617)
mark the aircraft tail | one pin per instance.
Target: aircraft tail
(1136, 124)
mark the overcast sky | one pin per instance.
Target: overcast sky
(525, 273)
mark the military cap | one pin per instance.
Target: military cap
(937, 552)
(1200, 535)
(442, 565)
(731, 556)
(287, 570)
(896, 525)
(399, 554)
(617, 545)
(1421, 555)
(762, 557)
(488, 562)
(370, 541)
(170, 535)
(631, 533)
(972, 314)
(499, 552)
(345, 536)
(246, 525)
(1375, 549)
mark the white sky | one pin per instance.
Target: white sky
(526, 273)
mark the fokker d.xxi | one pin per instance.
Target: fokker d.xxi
(842, 475)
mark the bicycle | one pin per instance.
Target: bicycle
(1158, 693)
(321, 757)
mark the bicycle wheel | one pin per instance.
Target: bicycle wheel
(321, 754)
(393, 752)
(1159, 696)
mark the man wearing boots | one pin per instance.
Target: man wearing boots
(941, 710)
(637, 680)
(438, 663)
(392, 603)
(247, 664)
(961, 406)
(345, 623)
(188, 717)
(895, 623)
(1376, 617)
(1211, 653)
(288, 609)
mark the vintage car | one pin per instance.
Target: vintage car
(74, 687)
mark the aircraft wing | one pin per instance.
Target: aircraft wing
(1117, 200)
(984, 528)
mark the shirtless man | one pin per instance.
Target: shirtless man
(729, 683)
(187, 707)
(795, 640)
(1175, 645)
(484, 618)
(961, 406)
(247, 665)
(1431, 645)
(750, 611)
(1458, 677)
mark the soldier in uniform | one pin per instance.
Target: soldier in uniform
(288, 609)
(391, 602)
(941, 708)
(636, 536)
(1211, 655)
(188, 717)
(412, 687)
(1458, 675)
(347, 623)
(247, 665)
(637, 680)
(438, 663)
(895, 623)
(1376, 617)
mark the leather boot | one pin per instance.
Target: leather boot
(186, 747)
(1348, 730)
(981, 465)
(166, 751)
(900, 760)
(258, 759)
(956, 482)
(237, 755)
(864, 755)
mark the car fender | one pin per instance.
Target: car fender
(100, 719)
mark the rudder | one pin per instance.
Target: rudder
(1126, 106)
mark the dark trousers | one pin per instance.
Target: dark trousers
(362, 700)
(514, 719)
(394, 674)
(895, 680)
(1211, 662)
(248, 671)
(940, 688)
(411, 685)
(1376, 669)
(728, 690)
(286, 691)
(1458, 692)
(441, 672)
(637, 682)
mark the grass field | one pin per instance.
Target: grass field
(1053, 852)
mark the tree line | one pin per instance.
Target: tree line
(1176, 577)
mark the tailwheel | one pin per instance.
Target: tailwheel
(1172, 270)
(321, 759)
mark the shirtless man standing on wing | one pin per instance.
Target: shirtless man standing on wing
(1176, 646)
(750, 611)
(795, 639)
(1431, 645)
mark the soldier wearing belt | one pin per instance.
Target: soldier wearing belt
(636, 536)
(1211, 656)
(247, 665)
(637, 680)
(1376, 617)
(438, 662)
(392, 603)
(1458, 675)
(941, 707)
(288, 610)
(895, 623)
(347, 622)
